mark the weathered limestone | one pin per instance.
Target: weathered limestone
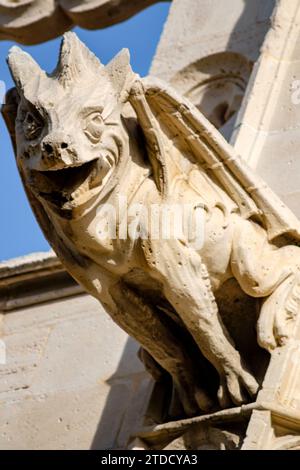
(195, 30)
(267, 134)
(94, 14)
(191, 306)
(212, 298)
(56, 391)
(35, 21)
(222, 430)
(209, 59)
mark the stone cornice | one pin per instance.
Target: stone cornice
(34, 279)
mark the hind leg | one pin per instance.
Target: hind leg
(278, 313)
(264, 270)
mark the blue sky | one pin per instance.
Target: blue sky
(19, 232)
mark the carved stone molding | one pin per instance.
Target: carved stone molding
(216, 85)
(34, 279)
(267, 130)
(35, 21)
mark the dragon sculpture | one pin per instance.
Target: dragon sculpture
(86, 135)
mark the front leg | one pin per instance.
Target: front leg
(144, 324)
(187, 287)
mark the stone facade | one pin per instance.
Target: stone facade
(72, 379)
(242, 76)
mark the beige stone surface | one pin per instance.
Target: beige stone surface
(199, 28)
(176, 298)
(276, 422)
(70, 378)
(35, 21)
(267, 134)
(243, 280)
(209, 59)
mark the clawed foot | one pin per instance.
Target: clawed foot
(237, 386)
(194, 400)
(278, 314)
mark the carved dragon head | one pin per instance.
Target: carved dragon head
(69, 135)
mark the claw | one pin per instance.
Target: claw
(265, 324)
(204, 402)
(235, 389)
(238, 385)
(250, 383)
(223, 395)
(188, 400)
(278, 313)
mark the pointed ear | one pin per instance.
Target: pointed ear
(9, 112)
(75, 59)
(120, 73)
(23, 67)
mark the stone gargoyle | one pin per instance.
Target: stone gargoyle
(86, 135)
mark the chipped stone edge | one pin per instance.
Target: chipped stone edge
(30, 270)
(28, 263)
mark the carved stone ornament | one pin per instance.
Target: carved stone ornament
(35, 21)
(216, 85)
(98, 150)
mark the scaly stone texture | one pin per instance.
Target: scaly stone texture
(35, 21)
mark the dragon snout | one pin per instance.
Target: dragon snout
(57, 152)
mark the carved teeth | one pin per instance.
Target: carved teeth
(64, 186)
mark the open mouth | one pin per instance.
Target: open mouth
(69, 187)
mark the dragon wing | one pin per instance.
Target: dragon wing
(165, 114)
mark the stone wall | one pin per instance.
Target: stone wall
(209, 59)
(72, 378)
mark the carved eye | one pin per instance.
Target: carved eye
(94, 126)
(32, 126)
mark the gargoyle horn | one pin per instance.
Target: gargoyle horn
(25, 71)
(75, 59)
(121, 75)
